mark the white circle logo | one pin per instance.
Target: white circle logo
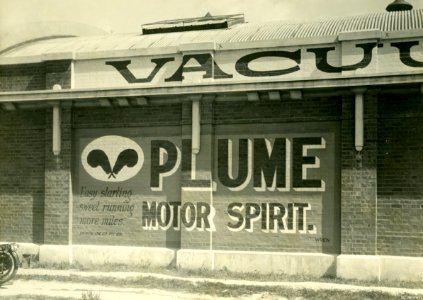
(112, 158)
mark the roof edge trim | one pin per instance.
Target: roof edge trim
(361, 35)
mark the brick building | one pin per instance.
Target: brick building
(214, 143)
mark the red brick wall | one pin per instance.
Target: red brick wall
(22, 149)
(57, 72)
(281, 118)
(400, 173)
(381, 192)
(151, 115)
(36, 76)
(57, 180)
(316, 109)
(140, 124)
(359, 180)
(26, 77)
(299, 116)
(34, 196)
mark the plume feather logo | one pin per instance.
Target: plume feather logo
(124, 154)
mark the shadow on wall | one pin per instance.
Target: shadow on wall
(22, 148)
(400, 173)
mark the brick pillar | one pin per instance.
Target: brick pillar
(359, 174)
(197, 190)
(57, 180)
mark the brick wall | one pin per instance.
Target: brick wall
(36, 76)
(151, 115)
(22, 144)
(381, 188)
(141, 124)
(34, 190)
(382, 181)
(285, 118)
(57, 72)
(358, 211)
(313, 109)
(299, 114)
(57, 180)
(400, 173)
(204, 163)
(27, 77)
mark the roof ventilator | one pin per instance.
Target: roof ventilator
(399, 5)
(202, 23)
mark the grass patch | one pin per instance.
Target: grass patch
(33, 297)
(280, 292)
(289, 294)
(87, 295)
(90, 295)
(227, 290)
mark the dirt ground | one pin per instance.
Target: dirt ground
(74, 290)
(46, 284)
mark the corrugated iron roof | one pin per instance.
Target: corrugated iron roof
(247, 32)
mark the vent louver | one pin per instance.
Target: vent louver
(202, 23)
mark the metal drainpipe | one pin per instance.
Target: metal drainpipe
(359, 122)
(196, 126)
(56, 129)
(56, 125)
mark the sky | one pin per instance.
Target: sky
(119, 16)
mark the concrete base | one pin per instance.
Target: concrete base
(401, 268)
(361, 267)
(369, 267)
(101, 255)
(54, 254)
(311, 264)
(195, 259)
(29, 249)
(141, 256)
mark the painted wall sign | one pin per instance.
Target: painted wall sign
(267, 172)
(129, 188)
(293, 63)
(112, 158)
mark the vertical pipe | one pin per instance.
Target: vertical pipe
(56, 129)
(70, 241)
(359, 123)
(195, 126)
(211, 231)
(72, 74)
